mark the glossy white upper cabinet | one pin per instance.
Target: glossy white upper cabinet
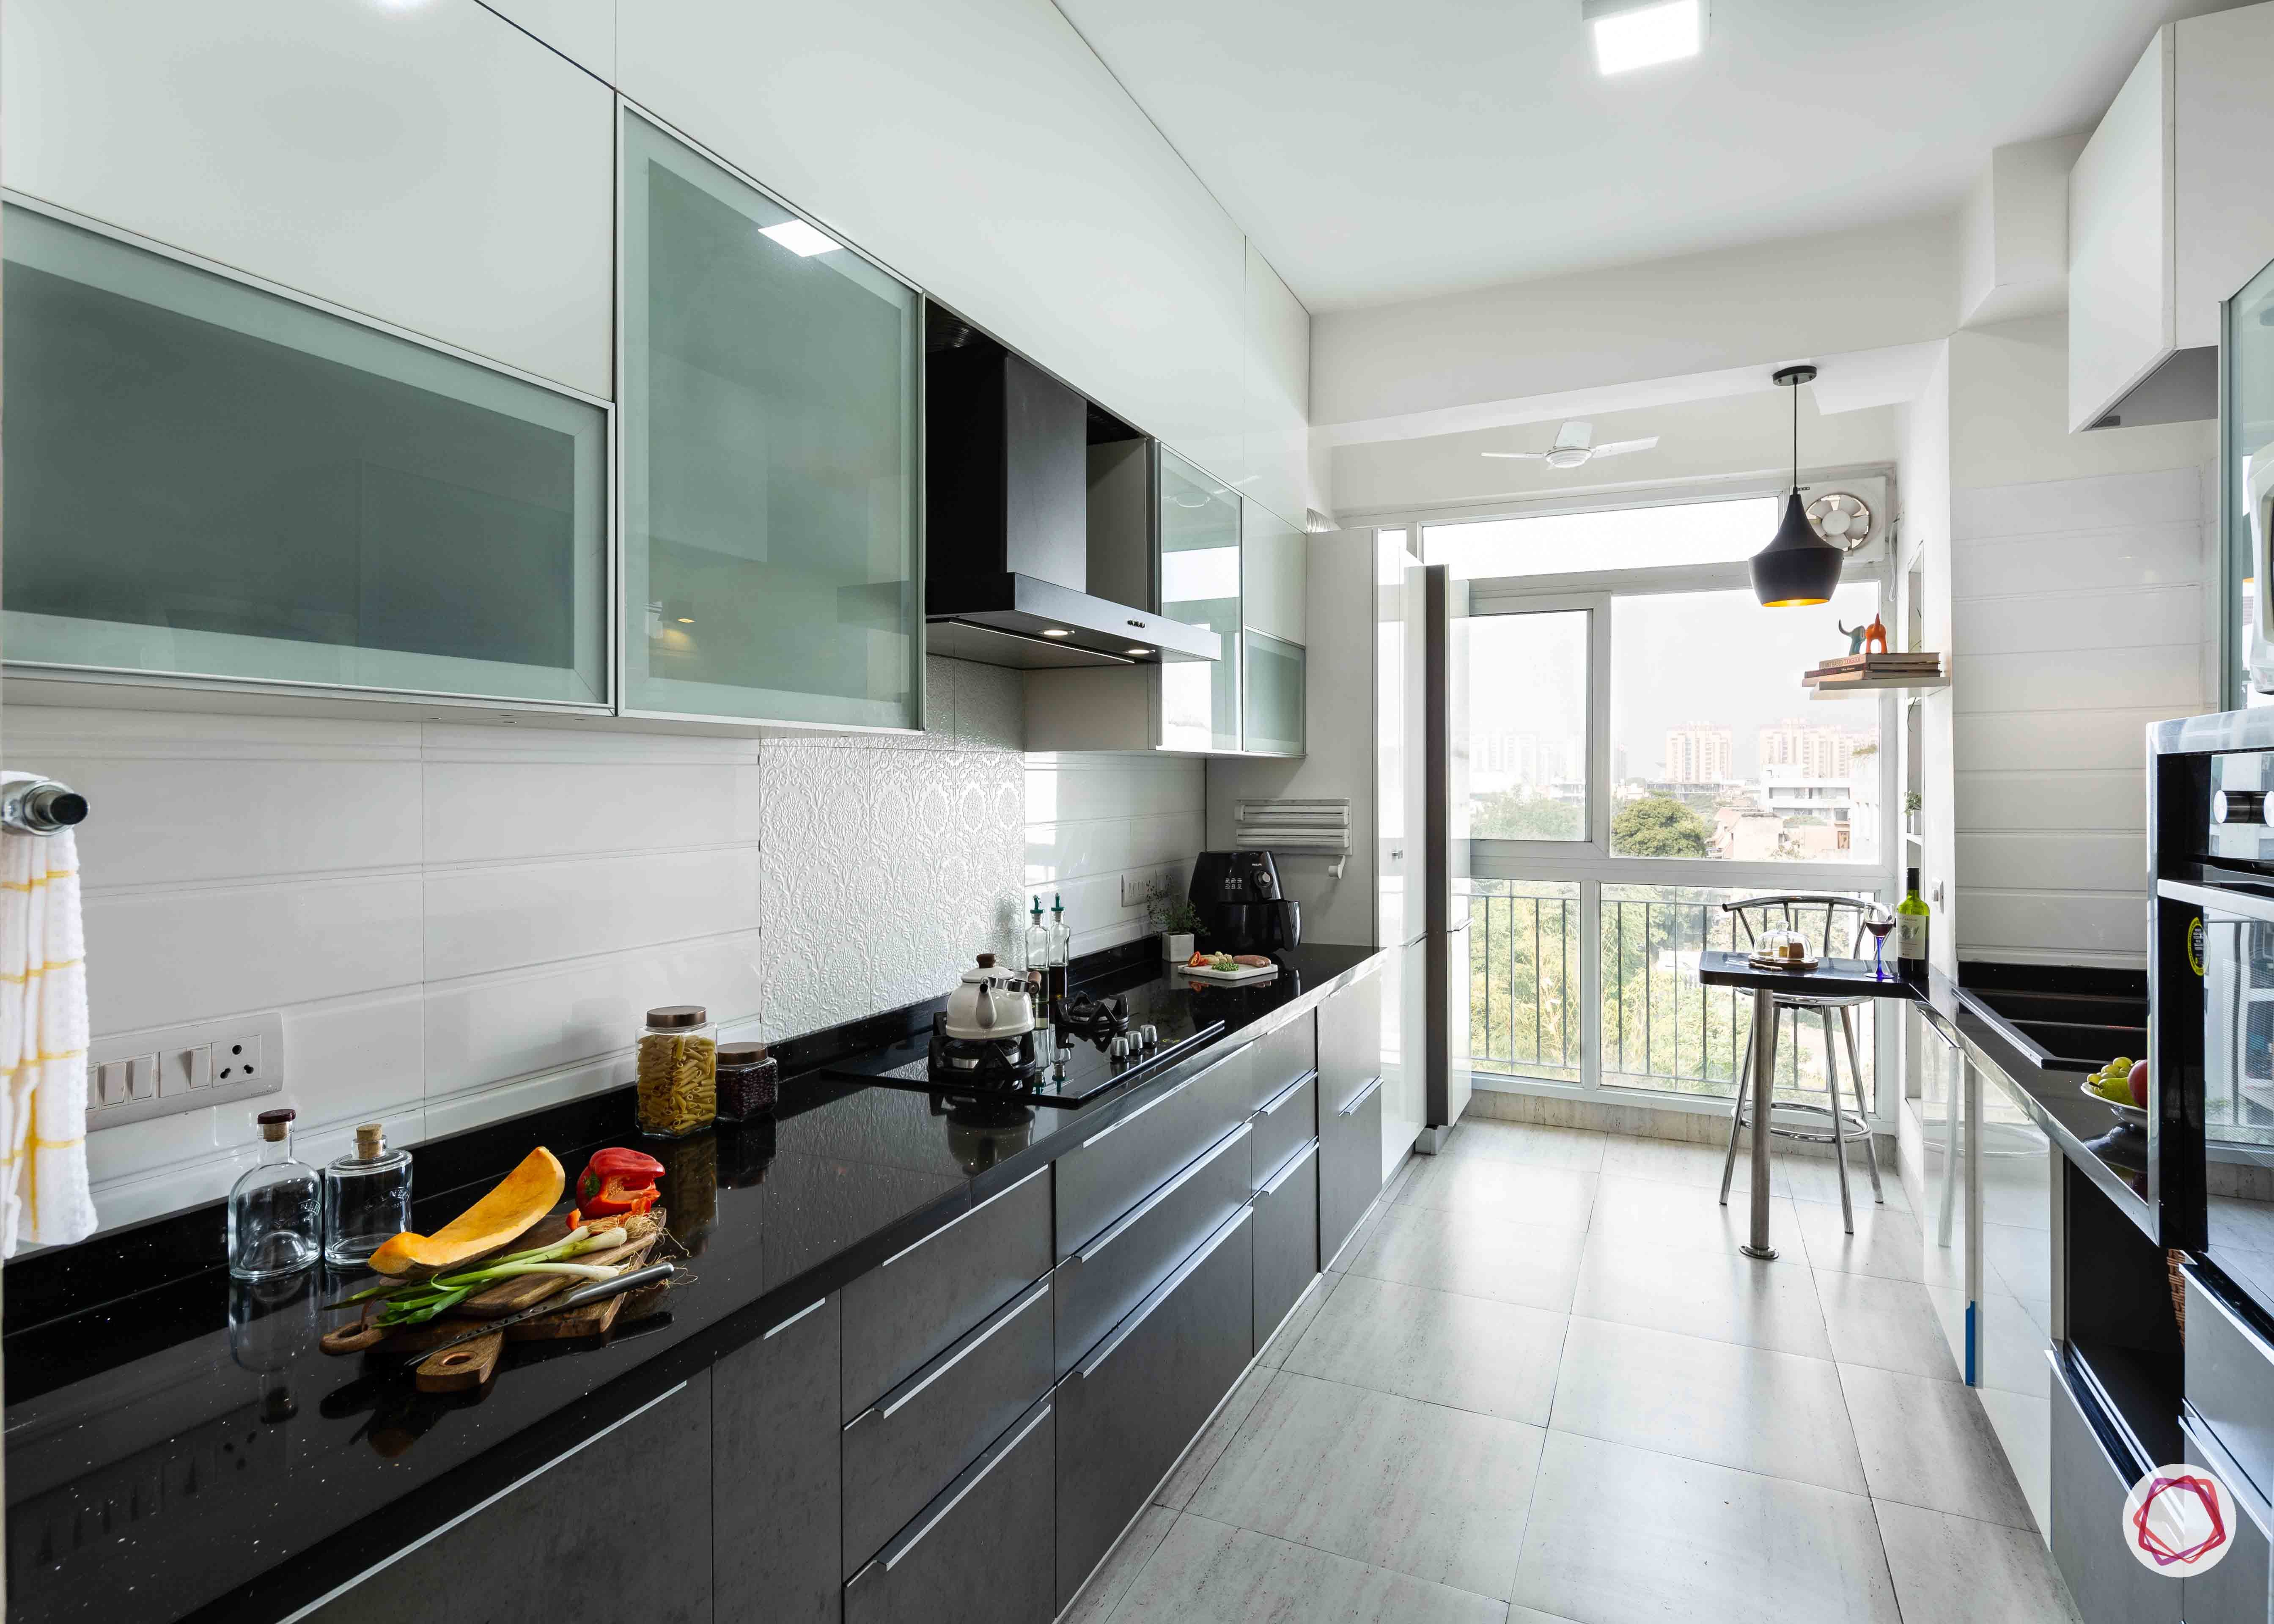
(583, 31)
(2170, 204)
(1273, 577)
(981, 149)
(1278, 367)
(430, 164)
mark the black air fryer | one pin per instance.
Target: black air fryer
(1241, 909)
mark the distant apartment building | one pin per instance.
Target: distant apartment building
(1811, 750)
(1699, 753)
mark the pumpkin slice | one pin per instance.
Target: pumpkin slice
(519, 1200)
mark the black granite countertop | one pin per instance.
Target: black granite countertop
(1829, 978)
(178, 1447)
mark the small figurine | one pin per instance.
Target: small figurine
(1859, 638)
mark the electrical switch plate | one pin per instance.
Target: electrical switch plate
(135, 1076)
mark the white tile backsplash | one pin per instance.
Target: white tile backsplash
(2079, 616)
(461, 923)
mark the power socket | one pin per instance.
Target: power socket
(134, 1077)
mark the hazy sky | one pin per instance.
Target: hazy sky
(1703, 656)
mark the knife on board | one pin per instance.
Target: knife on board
(596, 1291)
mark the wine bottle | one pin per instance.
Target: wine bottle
(1911, 921)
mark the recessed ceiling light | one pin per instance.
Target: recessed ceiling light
(1640, 33)
(1056, 631)
(687, 619)
(801, 238)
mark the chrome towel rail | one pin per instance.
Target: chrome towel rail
(40, 807)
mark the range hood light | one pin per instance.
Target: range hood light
(1056, 631)
(1140, 650)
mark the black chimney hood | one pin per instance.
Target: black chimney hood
(1012, 545)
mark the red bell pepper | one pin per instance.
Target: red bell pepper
(617, 1181)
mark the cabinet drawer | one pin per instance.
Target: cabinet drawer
(913, 1306)
(1122, 1164)
(1100, 1283)
(981, 1552)
(900, 1451)
(1126, 1413)
(2108, 1585)
(1350, 1165)
(1286, 1239)
(2229, 1380)
(1288, 1054)
(1288, 1121)
(551, 1539)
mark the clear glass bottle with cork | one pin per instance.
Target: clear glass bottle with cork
(366, 1198)
(275, 1211)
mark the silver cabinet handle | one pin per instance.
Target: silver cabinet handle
(1294, 1165)
(1161, 1194)
(1041, 1288)
(893, 1560)
(969, 1212)
(793, 1319)
(1289, 1092)
(1360, 1097)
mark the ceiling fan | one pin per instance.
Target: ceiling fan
(1574, 445)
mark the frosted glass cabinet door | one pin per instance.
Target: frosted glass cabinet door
(209, 480)
(769, 395)
(1200, 585)
(1274, 696)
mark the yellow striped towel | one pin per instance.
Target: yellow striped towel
(43, 1034)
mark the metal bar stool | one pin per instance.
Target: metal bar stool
(1752, 915)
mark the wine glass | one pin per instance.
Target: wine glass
(1879, 921)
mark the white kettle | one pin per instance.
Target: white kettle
(991, 1003)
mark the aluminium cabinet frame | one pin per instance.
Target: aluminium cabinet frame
(361, 698)
(697, 721)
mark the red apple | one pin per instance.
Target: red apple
(2139, 1080)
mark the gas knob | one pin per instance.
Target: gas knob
(2238, 806)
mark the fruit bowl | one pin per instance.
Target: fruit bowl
(2131, 1114)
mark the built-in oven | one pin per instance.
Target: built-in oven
(2212, 1053)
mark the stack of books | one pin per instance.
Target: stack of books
(1877, 669)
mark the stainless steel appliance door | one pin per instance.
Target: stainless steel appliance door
(2237, 967)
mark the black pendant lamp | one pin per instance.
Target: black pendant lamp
(1798, 567)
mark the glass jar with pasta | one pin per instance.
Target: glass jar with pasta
(678, 1071)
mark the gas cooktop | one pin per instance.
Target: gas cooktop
(1079, 1066)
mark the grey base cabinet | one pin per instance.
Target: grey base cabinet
(1350, 1166)
(550, 1545)
(774, 1474)
(1286, 1239)
(1350, 1110)
(1126, 1416)
(902, 1449)
(2088, 1487)
(2238, 1590)
(981, 1552)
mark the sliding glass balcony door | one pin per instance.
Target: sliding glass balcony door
(1641, 752)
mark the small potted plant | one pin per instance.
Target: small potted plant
(1180, 920)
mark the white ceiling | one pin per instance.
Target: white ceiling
(1378, 152)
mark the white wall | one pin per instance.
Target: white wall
(2083, 599)
(460, 922)
(1753, 306)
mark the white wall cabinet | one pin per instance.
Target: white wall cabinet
(1278, 368)
(980, 149)
(2170, 204)
(427, 165)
